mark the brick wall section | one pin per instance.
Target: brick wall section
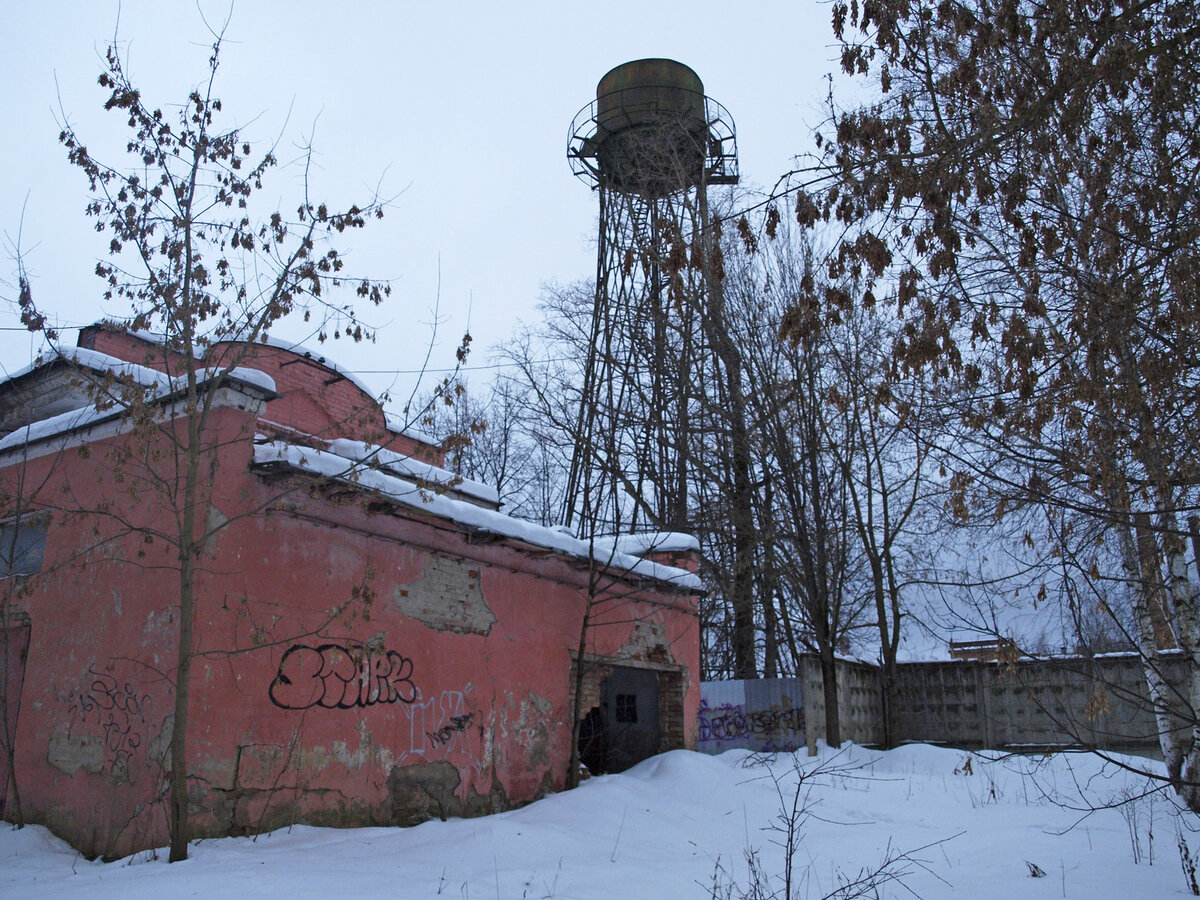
(671, 726)
(105, 339)
(672, 686)
(593, 677)
(688, 560)
(316, 398)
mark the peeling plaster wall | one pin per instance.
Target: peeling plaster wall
(360, 667)
(447, 596)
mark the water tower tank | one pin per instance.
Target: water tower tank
(651, 130)
(651, 145)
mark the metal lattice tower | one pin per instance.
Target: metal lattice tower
(650, 145)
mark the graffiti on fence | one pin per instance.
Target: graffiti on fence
(774, 729)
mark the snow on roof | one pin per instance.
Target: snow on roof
(99, 362)
(159, 384)
(143, 375)
(398, 425)
(332, 465)
(251, 377)
(63, 422)
(654, 542)
(394, 423)
(407, 467)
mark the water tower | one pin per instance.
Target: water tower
(650, 145)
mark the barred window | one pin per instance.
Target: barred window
(627, 708)
(23, 544)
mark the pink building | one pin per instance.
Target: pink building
(377, 643)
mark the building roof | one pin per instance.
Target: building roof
(45, 422)
(405, 492)
(401, 479)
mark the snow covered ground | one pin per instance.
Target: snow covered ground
(681, 825)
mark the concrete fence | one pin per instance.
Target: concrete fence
(1023, 705)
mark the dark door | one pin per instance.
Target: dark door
(629, 715)
(14, 647)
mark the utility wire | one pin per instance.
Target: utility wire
(449, 369)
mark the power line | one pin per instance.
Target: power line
(425, 371)
(450, 369)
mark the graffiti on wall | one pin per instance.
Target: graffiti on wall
(770, 729)
(348, 676)
(444, 735)
(445, 724)
(119, 710)
(341, 676)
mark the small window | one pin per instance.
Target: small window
(22, 545)
(627, 708)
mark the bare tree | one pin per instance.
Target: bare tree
(1023, 195)
(210, 272)
(501, 439)
(882, 449)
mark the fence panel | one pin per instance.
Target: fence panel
(764, 715)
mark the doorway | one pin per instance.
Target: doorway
(624, 729)
(14, 648)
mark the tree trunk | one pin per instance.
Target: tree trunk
(887, 609)
(1183, 599)
(9, 698)
(833, 719)
(572, 779)
(742, 498)
(188, 553)
(1170, 730)
(178, 786)
(891, 703)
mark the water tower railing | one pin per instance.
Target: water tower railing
(721, 165)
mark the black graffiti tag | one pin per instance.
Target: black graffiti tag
(457, 725)
(118, 709)
(338, 676)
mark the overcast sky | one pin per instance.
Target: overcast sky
(460, 109)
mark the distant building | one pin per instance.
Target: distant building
(377, 642)
(986, 650)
